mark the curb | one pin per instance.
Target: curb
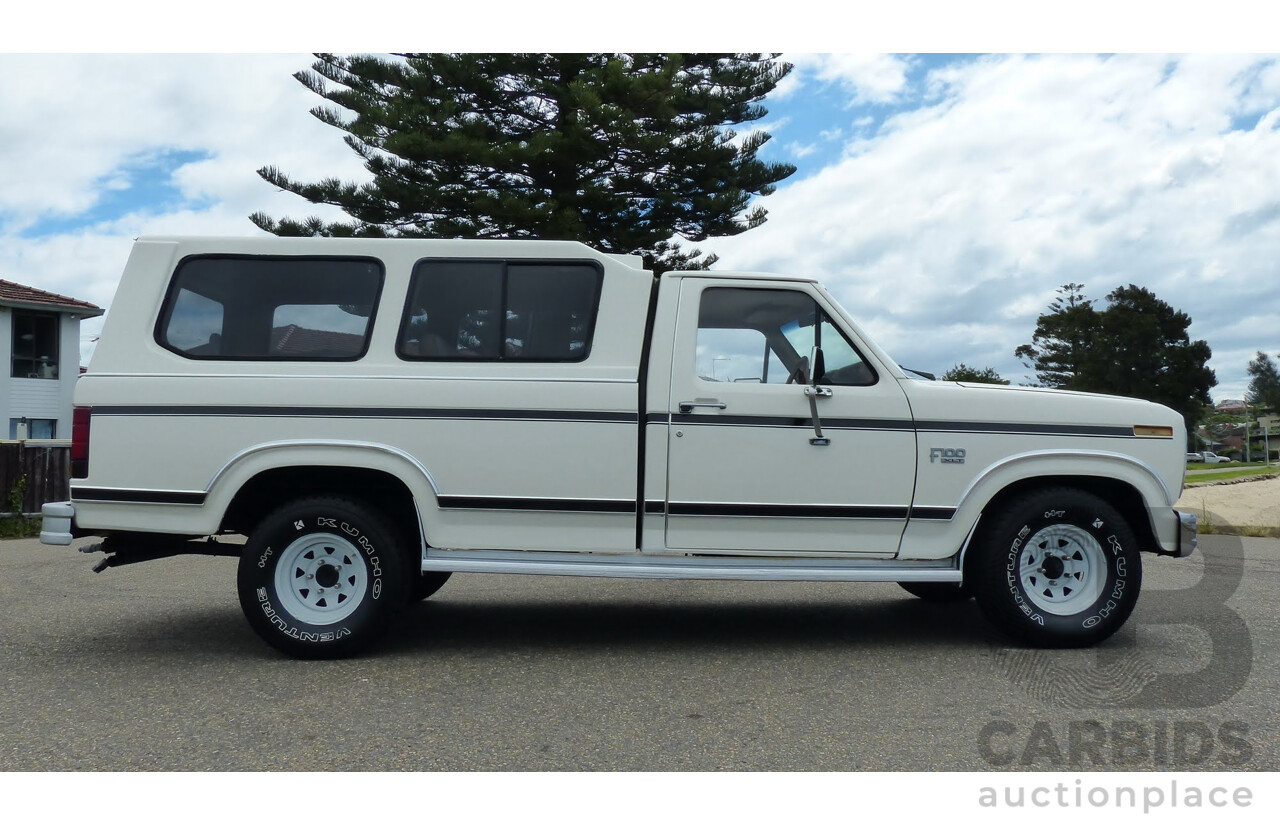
(1246, 531)
(1224, 482)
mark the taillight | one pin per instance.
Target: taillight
(80, 441)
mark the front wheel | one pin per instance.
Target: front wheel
(1058, 568)
(937, 592)
(426, 585)
(322, 578)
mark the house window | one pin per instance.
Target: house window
(36, 428)
(35, 344)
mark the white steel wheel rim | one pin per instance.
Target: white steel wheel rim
(1063, 569)
(321, 579)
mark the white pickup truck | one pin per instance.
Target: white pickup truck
(374, 415)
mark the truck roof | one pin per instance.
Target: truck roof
(443, 246)
(505, 247)
(743, 274)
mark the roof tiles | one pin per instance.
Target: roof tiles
(11, 293)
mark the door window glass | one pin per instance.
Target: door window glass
(761, 335)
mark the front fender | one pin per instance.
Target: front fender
(939, 539)
(1047, 463)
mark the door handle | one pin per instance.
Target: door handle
(687, 406)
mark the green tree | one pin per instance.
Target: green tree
(1218, 426)
(1141, 349)
(973, 375)
(1264, 385)
(1138, 347)
(624, 152)
(1060, 342)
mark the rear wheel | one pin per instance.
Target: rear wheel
(322, 578)
(1058, 568)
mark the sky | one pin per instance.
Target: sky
(941, 198)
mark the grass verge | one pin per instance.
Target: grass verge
(19, 527)
(1228, 475)
(1208, 528)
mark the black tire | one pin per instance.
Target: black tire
(1056, 568)
(322, 578)
(425, 585)
(937, 592)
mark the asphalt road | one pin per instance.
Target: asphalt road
(152, 667)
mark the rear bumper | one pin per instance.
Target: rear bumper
(58, 525)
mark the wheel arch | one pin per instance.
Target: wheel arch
(261, 478)
(1128, 484)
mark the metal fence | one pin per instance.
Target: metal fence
(35, 471)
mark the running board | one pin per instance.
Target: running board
(634, 566)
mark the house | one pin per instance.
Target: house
(40, 341)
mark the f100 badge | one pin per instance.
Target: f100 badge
(947, 455)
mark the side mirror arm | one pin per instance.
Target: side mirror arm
(814, 392)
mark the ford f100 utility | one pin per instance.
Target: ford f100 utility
(375, 415)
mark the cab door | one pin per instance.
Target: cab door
(748, 470)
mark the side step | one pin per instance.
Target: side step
(634, 566)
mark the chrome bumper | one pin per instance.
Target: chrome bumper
(1187, 534)
(56, 525)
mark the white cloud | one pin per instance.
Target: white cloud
(74, 124)
(772, 127)
(949, 228)
(790, 84)
(73, 121)
(869, 78)
(800, 150)
(946, 230)
(862, 124)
